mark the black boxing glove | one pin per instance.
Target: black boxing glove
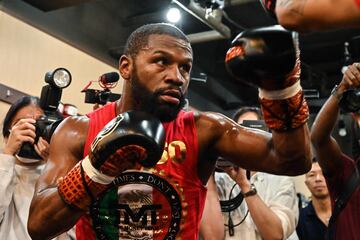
(262, 57)
(269, 7)
(129, 141)
(269, 58)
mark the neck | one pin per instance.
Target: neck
(322, 204)
(122, 106)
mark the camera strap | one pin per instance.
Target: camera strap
(348, 189)
(231, 204)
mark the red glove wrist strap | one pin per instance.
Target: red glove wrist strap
(285, 114)
(77, 190)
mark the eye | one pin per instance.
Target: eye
(186, 68)
(161, 61)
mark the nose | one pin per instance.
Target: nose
(318, 177)
(174, 75)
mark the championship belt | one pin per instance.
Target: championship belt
(138, 205)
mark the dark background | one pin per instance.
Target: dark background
(101, 27)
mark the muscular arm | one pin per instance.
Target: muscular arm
(47, 208)
(212, 222)
(308, 15)
(283, 152)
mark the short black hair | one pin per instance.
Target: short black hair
(138, 39)
(246, 109)
(15, 107)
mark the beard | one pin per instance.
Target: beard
(149, 101)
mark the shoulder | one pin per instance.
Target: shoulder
(212, 120)
(71, 130)
(309, 209)
(212, 126)
(277, 181)
(74, 123)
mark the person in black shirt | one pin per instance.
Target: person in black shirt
(314, 218)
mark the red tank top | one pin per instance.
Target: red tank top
(357, 3)
(348, 221)
(164, 202)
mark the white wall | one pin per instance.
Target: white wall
(27, 53)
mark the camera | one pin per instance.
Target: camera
(106, 82)
(100, 96)
(49, 101)
(350, 101)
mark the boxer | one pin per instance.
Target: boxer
(165, 199)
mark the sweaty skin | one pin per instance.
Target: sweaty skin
(164, 65)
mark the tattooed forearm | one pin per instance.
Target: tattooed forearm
(296, 6)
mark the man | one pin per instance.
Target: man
(164, 201)
(314, 218)
(336, 166)
(269, 209)
(306, 15)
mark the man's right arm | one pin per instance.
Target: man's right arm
(47, 207)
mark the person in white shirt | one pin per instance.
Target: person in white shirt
(19, 174)
(270, 206)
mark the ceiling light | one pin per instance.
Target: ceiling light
(173, 15)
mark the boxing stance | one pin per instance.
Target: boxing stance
(309, 15)
(101, 173)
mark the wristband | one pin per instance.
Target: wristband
(78, 190)
(285, 114)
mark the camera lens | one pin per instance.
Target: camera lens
(62, 78)
(350, 102)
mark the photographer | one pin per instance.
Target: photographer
(336, 166)
(19, 174)
(269, 206)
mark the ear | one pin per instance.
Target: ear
(125, 67)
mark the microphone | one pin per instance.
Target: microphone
(107, 78)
